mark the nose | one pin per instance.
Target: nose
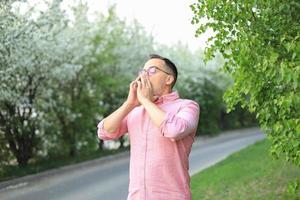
(143, 72)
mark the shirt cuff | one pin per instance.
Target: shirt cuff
(102, 133)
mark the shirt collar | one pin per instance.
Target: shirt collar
(167, 97)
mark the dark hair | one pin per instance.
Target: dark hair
(169, 63)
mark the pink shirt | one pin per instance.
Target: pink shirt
(159, 156)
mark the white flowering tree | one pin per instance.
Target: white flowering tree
(31, 59)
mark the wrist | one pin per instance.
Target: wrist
(144, 100)
(128, 105)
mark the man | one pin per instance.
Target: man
(161, 128)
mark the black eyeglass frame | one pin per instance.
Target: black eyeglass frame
(146, 70)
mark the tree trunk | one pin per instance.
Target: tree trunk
(21, 147)
(122, 142)
(100, 145)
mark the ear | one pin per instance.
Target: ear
(169, 80)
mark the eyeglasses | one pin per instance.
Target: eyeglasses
(152, 70)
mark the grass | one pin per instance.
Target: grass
(250, 174)
(10, 172)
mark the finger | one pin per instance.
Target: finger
(137, 78)
(138, 85)
(133, 85)
(143, 81)
(148, 82)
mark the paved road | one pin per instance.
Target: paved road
(108, 179)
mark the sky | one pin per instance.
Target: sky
(169, 21)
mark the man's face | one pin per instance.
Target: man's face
(159, 80)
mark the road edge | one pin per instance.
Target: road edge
(59, 170)
(71, 167)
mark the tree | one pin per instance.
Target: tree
(260, 41)
(31, 58)
(60, 76)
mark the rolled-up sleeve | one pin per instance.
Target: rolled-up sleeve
(105, 135)
(178, 125)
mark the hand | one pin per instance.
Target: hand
(144, 89)
(132, 95)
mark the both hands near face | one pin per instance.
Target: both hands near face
(140, 91)
(145, 90)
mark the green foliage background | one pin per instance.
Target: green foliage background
(60, 77)
(260, 41)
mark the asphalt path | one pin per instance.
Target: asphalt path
(107, 178)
